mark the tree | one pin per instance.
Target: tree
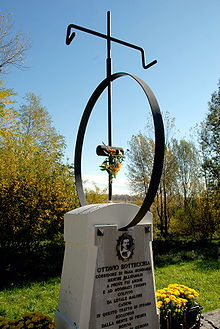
(7, 114)
(36, 188)
(36, 127)
(13, 46)
(140, 157)
(95, 195)
(188, 188)
(209, 138)
(163, 203)
(140, 163)
(188, 170)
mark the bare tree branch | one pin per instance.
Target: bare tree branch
(13, 46)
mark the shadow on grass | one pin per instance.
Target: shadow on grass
(174, 252)
(19, 266)
(208, 265)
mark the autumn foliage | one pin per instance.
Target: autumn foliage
(36, 188)
(7, 113)
(35, 192)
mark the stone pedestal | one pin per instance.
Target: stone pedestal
(107, 278)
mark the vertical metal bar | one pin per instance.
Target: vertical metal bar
(108, 73)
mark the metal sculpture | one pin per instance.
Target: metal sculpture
(157, 119)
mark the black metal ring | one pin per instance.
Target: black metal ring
(159, 145)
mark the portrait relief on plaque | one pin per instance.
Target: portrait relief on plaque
(125, 247)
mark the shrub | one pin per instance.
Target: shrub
(35, 320)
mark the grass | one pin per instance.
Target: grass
(31, 297)
(201, 275)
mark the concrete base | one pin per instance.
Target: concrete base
(211, 320)
(80, 259)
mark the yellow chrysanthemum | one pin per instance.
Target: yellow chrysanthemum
(172, 297)
(159, 304)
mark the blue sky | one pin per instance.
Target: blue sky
(182, 35)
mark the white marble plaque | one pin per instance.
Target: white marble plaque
(123, 291)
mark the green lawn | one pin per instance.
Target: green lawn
(201, 275)
(32, 297)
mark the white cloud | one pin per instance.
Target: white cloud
(120, 184)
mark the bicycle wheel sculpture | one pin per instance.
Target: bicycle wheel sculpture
(157, 119)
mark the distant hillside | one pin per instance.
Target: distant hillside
(123, 198)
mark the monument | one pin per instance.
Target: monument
(108, 276)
